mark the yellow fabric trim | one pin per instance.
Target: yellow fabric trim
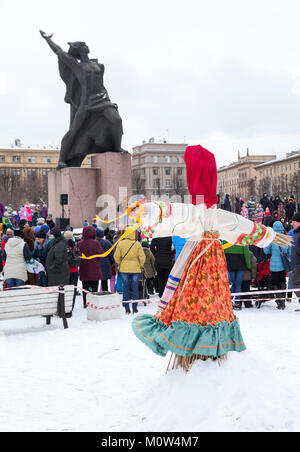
(126, 233)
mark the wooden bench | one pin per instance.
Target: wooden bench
(19, 303)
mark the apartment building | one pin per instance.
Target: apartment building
(240, 177)
(24, 170)
(158, 169)
(253, 175)
(280, 176)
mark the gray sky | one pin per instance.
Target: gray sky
(225, 74)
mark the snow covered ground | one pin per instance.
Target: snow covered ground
(100, 377)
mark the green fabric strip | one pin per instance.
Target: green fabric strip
(185, 340)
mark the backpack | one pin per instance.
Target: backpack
(73, 257)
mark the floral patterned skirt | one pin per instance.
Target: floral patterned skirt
(199, 318)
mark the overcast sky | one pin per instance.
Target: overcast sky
(221, 73)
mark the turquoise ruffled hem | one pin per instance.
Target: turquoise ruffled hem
(186, 339)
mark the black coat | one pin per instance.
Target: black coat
(162, 251)
(290, 210)
(57, 263)
(265, 202)
(227, 203)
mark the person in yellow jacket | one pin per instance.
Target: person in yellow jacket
(130, 258)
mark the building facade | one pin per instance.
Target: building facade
(24, 171)
(253, 175)
(280, 176)
(239, 178)
(158, 169)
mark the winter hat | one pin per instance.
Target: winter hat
(18, 233)
(41, 221)
(145, 244)
(201, 171)
(296, 217)
(99, 232)
(41, 235)
(44, 228)
(9, 231)
(68, 235)
(278, 227)
(56, 232)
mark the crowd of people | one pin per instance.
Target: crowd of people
(284, 217)
(35, 239)
(266, 211)
(30, 237)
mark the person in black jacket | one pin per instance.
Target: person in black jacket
(227, 205)
(290, 209)
(105, 262)
(162, 250)
(57, 260)
(265, 202)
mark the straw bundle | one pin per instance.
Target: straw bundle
(283, 240)
(186, 362)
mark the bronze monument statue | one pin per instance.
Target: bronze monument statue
(95, 123)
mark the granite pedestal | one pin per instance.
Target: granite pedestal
(109, 177)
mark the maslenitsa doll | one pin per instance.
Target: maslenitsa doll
(195, 317)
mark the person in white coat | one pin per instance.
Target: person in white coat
(16, 252)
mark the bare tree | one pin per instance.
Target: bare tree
(11, 186)
(178, 187)
(138, 182)
(263, 187)
(156, 188)
(251, 187)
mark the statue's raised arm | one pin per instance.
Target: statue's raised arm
(62, 55)
(56, 49)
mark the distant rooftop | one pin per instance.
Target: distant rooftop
(248, 159)
(289, 156)
(18, 145)
(153, 140)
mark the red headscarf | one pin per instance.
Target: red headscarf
(201, 170)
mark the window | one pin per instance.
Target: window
(155, 171)
(167, 171)
(16, 159)
(31, 171)
(46, 159)
(2, 159)
(179, 171)
(2, 171)
(45, 171)
(168, 183)
(32, 159)
(180, 159)
(89, 160)
(16, 171)
(167, 158)
(155, 159)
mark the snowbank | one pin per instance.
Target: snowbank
(99, 377)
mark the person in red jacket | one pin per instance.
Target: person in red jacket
(89, 269)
